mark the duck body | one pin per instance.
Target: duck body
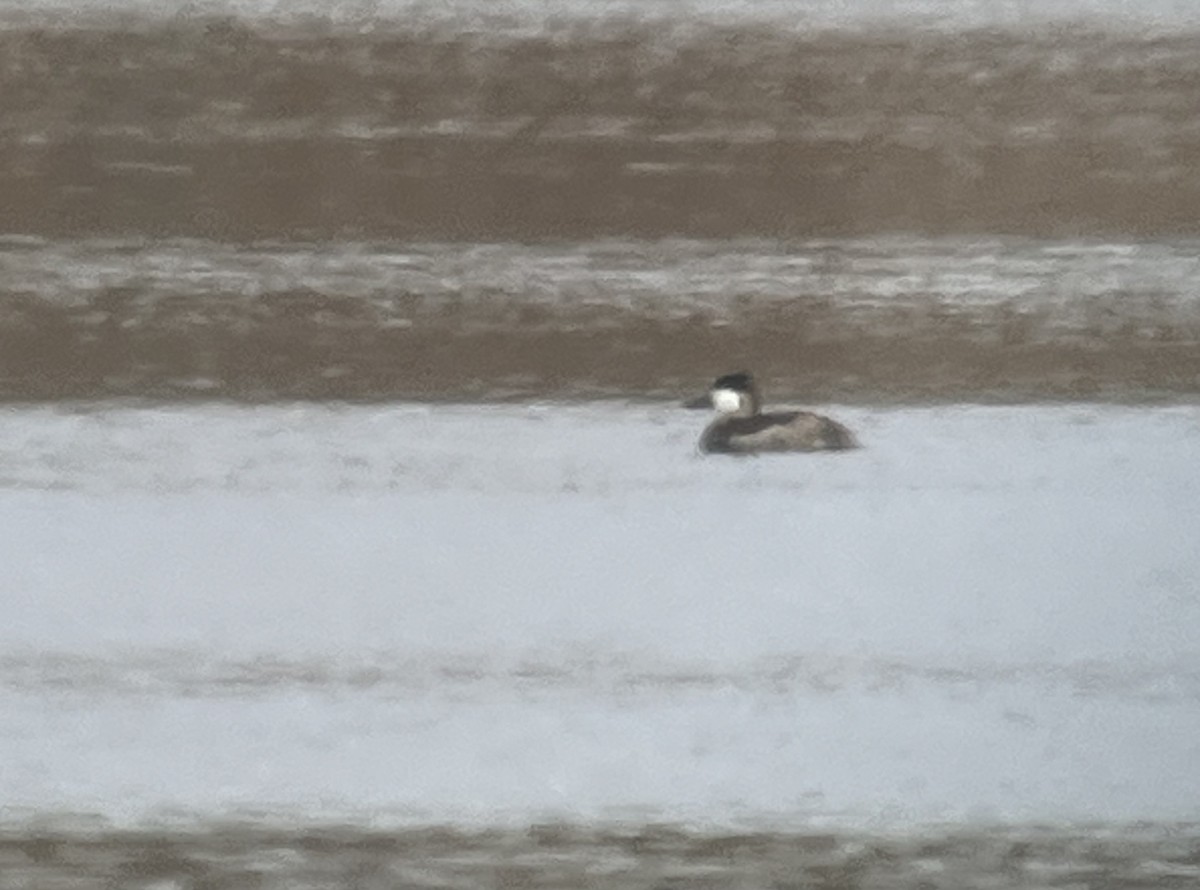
(774, 432)
(741, 427)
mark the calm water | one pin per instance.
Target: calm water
(228, 629)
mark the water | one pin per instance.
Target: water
(310, 602)
(283, 618)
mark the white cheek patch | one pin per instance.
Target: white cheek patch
(727, 401)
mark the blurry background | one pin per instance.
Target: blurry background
(352, 534)
(471, 200)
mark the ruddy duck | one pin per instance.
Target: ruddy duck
(741, 428)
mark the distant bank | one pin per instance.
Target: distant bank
(229, 129)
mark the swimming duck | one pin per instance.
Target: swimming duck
(741, 428)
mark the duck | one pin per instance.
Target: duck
(741, 427)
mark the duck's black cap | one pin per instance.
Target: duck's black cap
(741, 381)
